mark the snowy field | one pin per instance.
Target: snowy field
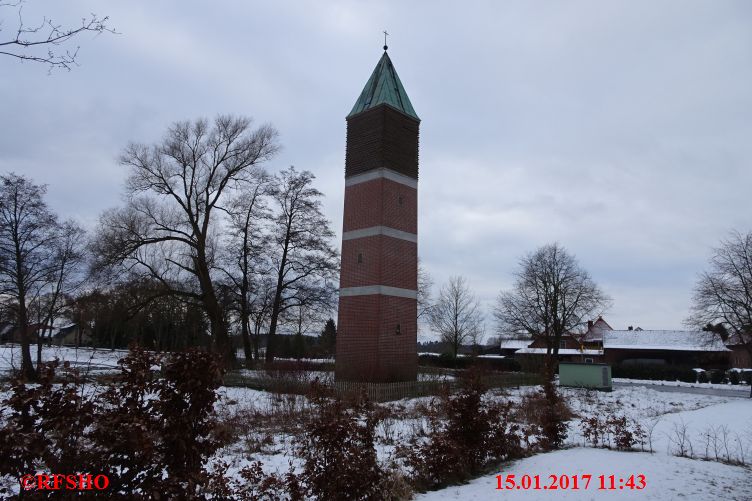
(88, 360)
(692, 439)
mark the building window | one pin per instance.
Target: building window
(588, 360)
(397, 330)
(360, 257)
(399, 200)
(562, 344)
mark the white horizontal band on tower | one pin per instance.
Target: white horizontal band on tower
(383, 172)
(380, 230)
(384, 290)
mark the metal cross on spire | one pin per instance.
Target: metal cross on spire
(385, 35)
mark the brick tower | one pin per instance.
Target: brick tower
(377, 326)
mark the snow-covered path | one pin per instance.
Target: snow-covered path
(727, 391)
(666, 477)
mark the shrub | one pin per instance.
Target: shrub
(612, 431)
(626, 432)
(703, 377)
(734, 377)
(255, 484)
(337, 448)
(553, 418)
(717, 377)
(46, 425)
(140, 429)
(465, 435)
(152, 425)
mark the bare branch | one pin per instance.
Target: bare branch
(38, 43)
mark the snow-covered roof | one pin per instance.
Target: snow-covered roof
(562, 351)
(595, 332)
(515, 344)
(662, 340)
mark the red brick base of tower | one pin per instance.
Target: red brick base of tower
(369, 346)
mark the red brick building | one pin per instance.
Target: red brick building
(377, 326)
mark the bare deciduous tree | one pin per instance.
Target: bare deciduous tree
(261, 309)
(46, 41)
(552, 295)
(425, 284)
(304, 261)
(245, 252)
(177, 190)
(27, 227)
(723, 294)
(68, 256)
(457, 315)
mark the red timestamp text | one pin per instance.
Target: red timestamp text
(570, 482)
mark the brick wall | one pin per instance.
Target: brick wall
(381, 202)
(383, 261)
(369, 348)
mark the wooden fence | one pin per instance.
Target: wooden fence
(378, 392)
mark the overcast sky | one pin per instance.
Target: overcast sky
(621, 129)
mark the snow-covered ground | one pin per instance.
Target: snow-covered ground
(666, 477)
(86, 359)
(684, 384)
(700, 426)
(323, 376)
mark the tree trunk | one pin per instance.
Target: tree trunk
(550, 369)
(213, 308)
(272, 330)
(257, 322)
(276, 306)
(244, 332)
(27, 367)
(40, 340)
(219, 334)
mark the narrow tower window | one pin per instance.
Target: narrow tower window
(360, 257)
(397, 330)
(399, 200)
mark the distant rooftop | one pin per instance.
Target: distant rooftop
(662, 340)
(562, 351)
(595, 332)
(515, 344)
(384, 87)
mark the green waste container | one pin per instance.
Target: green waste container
(597, 376)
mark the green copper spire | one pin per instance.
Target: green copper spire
(384, 87)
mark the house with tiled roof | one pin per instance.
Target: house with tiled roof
(741, 350)
(595, 330)
(602, 343)
(673, 347)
